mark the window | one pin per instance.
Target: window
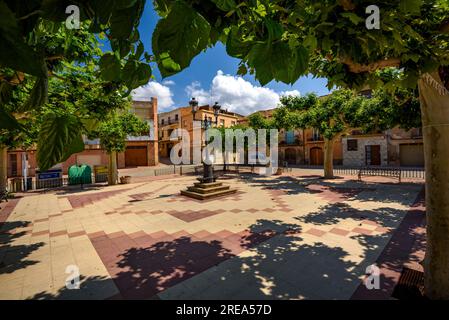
(316, 135)
(162, 121)
(233, 123)
(13, 164)
(290, 137)
(176, 117)
(169, 120)
(352, 145)
(222, 123)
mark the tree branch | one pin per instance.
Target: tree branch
(445, 27)
(31, 14)
(54, 58)
(356, 67)
(347, 5)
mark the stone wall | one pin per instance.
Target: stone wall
(357, 158)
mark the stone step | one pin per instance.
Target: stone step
(208, 190)
(207, 196)
(207, 185)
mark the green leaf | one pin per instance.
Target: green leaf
(125, 18)
(110, 67)
(235, 46)
(6, 90)
(410, 6)
(285, 65)
(15, 53)
(258, 56)
(136, 74)
(139, 51)
(179, 37)
(90, 124)
(225, 5)
(326, 44)
(355, 19)
(7, 121)
(38, 96)
(59, 137)
(310, 42)
(275, 30)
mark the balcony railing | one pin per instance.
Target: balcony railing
(315, 139)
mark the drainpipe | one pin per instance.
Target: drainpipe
(304, 145)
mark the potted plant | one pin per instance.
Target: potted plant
(125, 180)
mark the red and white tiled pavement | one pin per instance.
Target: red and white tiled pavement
(278, 237)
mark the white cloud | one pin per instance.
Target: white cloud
(236, 94)
(201, 95)
(155, 89)
(168, 83)
(290, 93)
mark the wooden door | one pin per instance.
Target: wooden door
(373, 155)
(136, 156)
(290, 156)
(316, 156)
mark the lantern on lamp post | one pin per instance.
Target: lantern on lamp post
(208, 170)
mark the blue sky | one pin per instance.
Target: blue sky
(202, 72)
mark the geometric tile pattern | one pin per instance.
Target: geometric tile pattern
(405, 249)
(138, 240)
(162, 260)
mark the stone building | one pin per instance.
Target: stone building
(394, 147)
(140, 151)
(183, 118)
(361, 150)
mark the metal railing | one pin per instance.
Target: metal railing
(406, 172)
(18, 184)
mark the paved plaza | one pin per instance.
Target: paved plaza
(281, 237)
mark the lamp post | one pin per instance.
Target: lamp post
(208, 170)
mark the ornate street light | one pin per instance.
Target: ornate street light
(208, 169)
(194, 105)
(217, 109)
(208, 187)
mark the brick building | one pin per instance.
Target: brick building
(140, 151)
(394, 147)
(183, 118)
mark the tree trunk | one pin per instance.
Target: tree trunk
(3, 168)
(328, 158)
(112, 169)
(435, 121)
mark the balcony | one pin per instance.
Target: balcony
(315, 139)
(296, 143)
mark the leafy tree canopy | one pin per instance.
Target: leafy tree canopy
(344, 110)
(282, 40)
(37, 44)
(115, 129)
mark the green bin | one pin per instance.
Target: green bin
(81, 174)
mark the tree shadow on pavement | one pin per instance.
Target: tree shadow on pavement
(14, 256)
(274, 261)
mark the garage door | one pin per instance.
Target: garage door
(412, 155)
(91, 161)
(136, 156)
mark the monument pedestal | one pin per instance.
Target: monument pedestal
(207, 190)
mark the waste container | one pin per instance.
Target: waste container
(101, 173)
(81, 174)
(49, 179)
